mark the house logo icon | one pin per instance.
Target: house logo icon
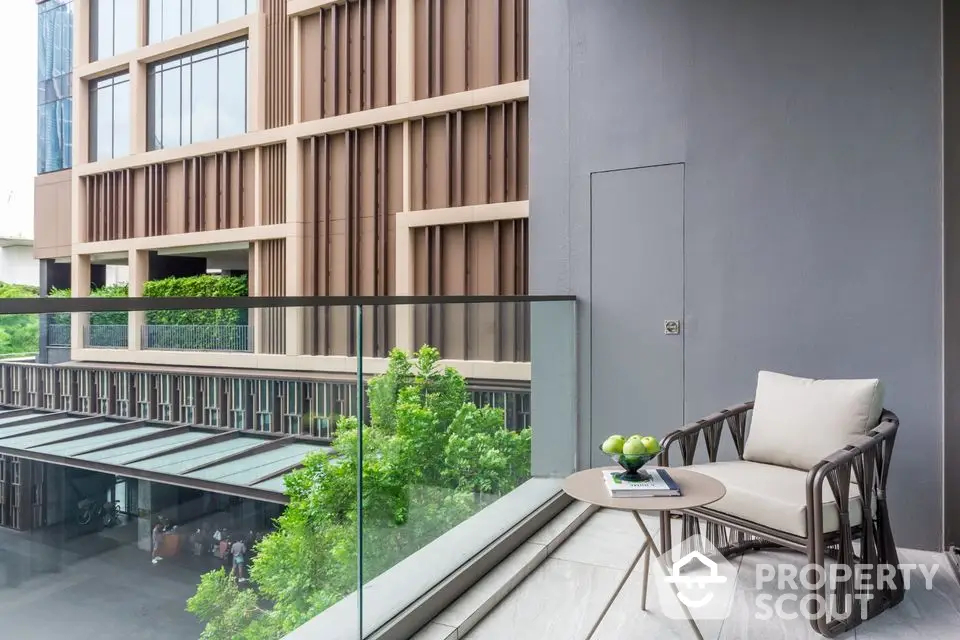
(693, 578)
(694, 583)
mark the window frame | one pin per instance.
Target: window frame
(184, 128)
(94, 88)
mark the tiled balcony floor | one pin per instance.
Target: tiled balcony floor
(563, 597)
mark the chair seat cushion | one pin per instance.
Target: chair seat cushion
(797, 422)
(774, 497)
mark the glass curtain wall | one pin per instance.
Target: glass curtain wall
(199, 96)
(171, 18)
(54, 81)
(113, 27)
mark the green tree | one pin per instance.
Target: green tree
(430, 461)
(19, 334)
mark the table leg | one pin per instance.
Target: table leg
(646, 574)
(644, 552)
(651, 545)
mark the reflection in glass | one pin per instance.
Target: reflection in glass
(203, 106)
(54, 89)
(204, 14)
(125, 25)
(101, 115)
(101, 18)
(171, 18)
(121, 119)
(201, 96)
(170, 108)
(232, 111)
(113, 27)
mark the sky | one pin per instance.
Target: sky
(18, 116)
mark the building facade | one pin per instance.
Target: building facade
(367, 147)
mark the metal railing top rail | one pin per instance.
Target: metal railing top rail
(9, 306)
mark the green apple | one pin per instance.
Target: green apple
(613, 445)
(651, 444)
(634, 446)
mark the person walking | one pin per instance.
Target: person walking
(157, 539)
(239, 552)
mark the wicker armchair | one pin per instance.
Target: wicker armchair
(819, 511)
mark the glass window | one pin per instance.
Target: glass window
(113, 27)
(54, 88)
(199, 96)
(171, 18)
(110, 117)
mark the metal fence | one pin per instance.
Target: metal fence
(105, 336)
(58, 335)
(196, 337)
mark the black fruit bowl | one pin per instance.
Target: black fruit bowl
(632, 464)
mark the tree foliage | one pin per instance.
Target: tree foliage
(430, 461)
(18, 333)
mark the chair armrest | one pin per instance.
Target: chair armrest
(865, 462)
(686, 437)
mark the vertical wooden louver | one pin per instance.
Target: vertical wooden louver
(273, 269)
(468, 44)
(353, 186)
(277, 86)
(483, 258)
(348, 58)
(203, 193)
(274, 170)
(470, 157)
(110, 210)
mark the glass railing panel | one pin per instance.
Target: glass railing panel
(454, 454)
(451, 422)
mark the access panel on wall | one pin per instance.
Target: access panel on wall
(636, 302)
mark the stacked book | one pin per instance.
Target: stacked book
(659, 485)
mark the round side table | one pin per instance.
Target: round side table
(697, 490)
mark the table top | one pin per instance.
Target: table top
(697, 489)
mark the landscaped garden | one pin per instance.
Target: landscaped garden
(189, 329)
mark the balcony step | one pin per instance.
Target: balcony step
(470, 608)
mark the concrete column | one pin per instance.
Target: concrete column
(80, 288)
(145, 514)
(138, 267)
(43, 356)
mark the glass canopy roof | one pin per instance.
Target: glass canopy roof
(235, 462)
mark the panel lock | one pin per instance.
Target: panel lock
(671, 327)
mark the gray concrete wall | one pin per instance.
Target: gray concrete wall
(811, 138)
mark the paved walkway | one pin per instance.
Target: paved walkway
(97, 586)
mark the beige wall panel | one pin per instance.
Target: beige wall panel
(248, 190)
(175, 186)
(311, 65)
(52, 215)
(522, 139)
(139, 203)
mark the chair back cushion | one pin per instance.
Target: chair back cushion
(797, 422)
